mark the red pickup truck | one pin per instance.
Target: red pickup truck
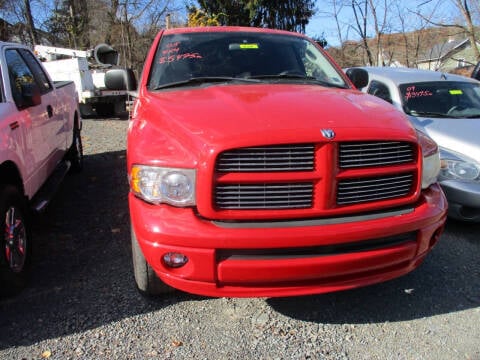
(257, 169)
(40, 141)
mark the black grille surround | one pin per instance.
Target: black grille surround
(323, 177)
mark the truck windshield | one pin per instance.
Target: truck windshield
(453, 99)
(237, 56)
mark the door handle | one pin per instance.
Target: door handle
(49, 111)
(14, 125)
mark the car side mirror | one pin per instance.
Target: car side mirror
(121, 79)
(30, 95)
(359, 77)
(476, 72)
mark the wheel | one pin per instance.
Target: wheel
(15, 244)
(86, 110)
(75, 153)
(105, 109)
(147, 281)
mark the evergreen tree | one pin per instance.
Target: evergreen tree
(291, 15)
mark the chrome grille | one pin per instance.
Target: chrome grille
(267, 159)
(364, 154)
(361, 190)
(264, 196)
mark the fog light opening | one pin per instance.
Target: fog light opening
(174, 260)
(436, 236)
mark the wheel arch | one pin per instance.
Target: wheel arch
(10, 175)
(77, 120)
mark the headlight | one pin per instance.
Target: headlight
(461, 170)
(431, 159)
(163, 185)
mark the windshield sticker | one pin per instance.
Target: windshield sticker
(456, 92)
(176, 57)
(414, 93)
(244, 46)
(248, 46)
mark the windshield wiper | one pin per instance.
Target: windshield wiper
(297, 77)
(203, 80)
(428, 113)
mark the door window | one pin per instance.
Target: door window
(20, 75)
(40, 76)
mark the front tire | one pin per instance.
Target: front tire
(147, 281)
(105, 109)
(15, 241)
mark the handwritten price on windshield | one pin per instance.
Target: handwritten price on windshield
(412, 93)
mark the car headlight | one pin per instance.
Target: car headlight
(163, 185)
(459, 170)
(431, 159)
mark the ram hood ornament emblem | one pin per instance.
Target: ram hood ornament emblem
(328, 133)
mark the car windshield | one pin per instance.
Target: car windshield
(193, 59)
(454, 99)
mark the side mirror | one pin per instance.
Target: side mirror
(359, 77)
(476, 72)
(30, 95)
(121, 79)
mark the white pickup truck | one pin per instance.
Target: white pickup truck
(39, 142)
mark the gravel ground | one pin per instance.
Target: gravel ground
(82, 302)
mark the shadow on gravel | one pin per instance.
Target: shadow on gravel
(448, 281)
(83, 277)
(122, 116)
(82, 272)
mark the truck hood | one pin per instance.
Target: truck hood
(458, 135)
(218, 117)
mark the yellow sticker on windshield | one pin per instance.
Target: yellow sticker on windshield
(248, 46)
(456, 92)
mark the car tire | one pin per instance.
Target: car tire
(15, 242)
(105, 109)
(75, 153)
(146, 280)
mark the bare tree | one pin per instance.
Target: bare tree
(360, 10)
(464, 8)
(19, 13)
(379, 26)
(29, 22)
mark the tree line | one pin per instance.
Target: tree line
(380, 27)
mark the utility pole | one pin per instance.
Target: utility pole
(168, 21)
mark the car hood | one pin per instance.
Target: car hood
(244, 115)
(455, 134)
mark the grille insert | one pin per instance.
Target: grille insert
(264, 196)
(364, 154)
(361, 190)
(267, 159)
(309, 252)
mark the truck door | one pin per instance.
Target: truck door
(34, 118)
(55, 132)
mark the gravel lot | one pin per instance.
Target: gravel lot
(82, 302)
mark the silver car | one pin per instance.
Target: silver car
(447, 108)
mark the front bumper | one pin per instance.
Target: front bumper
(291, 257)
(463, 200)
